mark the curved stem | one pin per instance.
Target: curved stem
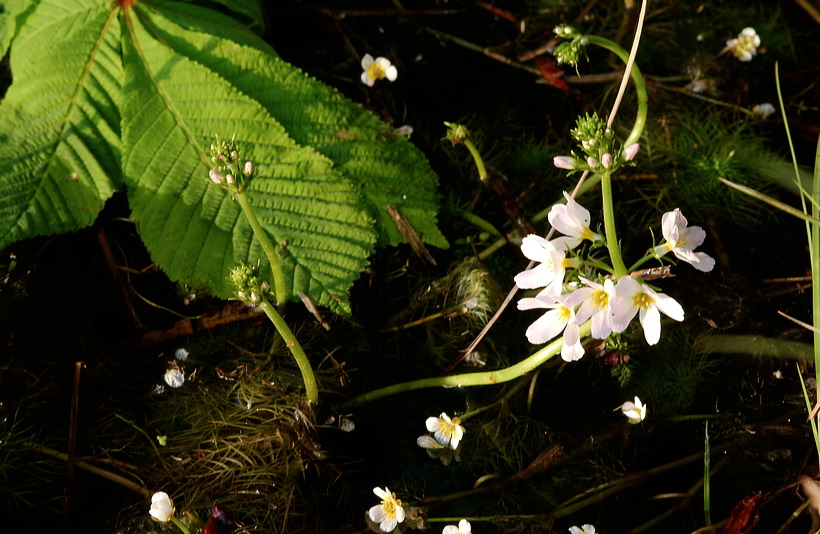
(267, 246)
(479, 163)
(472, 379)
(637, 79)
(609, 226)
(641, 262)
(311, 390)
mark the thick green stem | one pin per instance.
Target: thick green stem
(180, 525)
(267, 246)
(479, 163)
(637, 79)
(609, 226)
(472, 379)
(311, 390)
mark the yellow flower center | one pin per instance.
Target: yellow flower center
(565, 313)
(642, 300)
(389, 506)
(589, 234)
(600, 298)
(375, 72)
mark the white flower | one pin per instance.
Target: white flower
(549, 273)
(596, 302)
(437, 451)
(585, 529)
(745, 46)
(174, 377)
(762, 111)
(448, 432)
(635, 412)
(462, 528)
(558, 318)
(682, 240)
(389, 513)
(181, 354)
(631, 297)
(630, 152)
(565, 162)
(377, 69)
(162, 507)
(572, 220)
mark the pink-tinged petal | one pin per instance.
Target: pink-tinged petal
(668, 306)
(566, 243)
(536, 248)
(546, 327)
(631, 151)
(651, 322)
(565, 162)
(530, 303)
(581, 295)
(693, 236)
(539, 276)
(601, 325)
(572, 349)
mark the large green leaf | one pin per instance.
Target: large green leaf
(59, 122)
(112, 94)
(388, 170)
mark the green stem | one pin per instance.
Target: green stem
(472, 379)
(609, 226)
(311, 390)
(641, 262)
(180, 525)
(479, 163)
(637, 79)
(267, 246)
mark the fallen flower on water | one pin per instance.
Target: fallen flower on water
(635, 412)
(377, 69)
(174, 377)
(462, 528)
(448, 432)
(389, 513)
(744, 47)
(162, 507)
(437, 451)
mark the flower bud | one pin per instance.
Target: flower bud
(606, 160)
(216, 176)
(248, 168)
(565, 162)
(592, 162)
(230, 179)
(254, 296)
(265, 285)
(631, 151)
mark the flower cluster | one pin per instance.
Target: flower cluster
(598, 147)
(445, 443)
(569, 52)
(227, 168)
(245, 279)
(377, 69)
(572, 299)
(744, 47)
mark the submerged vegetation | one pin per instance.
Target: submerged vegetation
(251, 285)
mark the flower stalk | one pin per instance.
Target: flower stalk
(472, 379)
(270, 251)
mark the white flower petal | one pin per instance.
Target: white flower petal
(668, 306)
(367, 60)
(546, 327)
(651, 322)
(391, 73)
